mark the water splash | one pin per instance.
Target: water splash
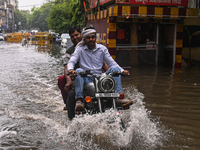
(94, 131)
(7, 133)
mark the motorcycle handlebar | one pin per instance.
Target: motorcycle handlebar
(87, 72)
(116, 74)
(82, 74)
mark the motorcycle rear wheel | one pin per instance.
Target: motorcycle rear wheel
(71, 104)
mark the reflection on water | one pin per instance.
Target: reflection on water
(173, 95)
(165, 116)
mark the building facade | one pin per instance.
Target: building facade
(7, 15)
(143, 32)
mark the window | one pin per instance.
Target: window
(146, 33)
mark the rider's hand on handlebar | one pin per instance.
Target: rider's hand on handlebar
(126, 72)
(73, 72)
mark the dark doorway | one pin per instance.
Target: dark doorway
(123, 57)
(166, 44)
(123, 33)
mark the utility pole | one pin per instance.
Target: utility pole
(13, 21)
(197, 4)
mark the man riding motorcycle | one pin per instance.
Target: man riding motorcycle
(91, 56)
(65, 82)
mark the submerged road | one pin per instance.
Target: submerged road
(166, 115)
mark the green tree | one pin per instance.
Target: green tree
(78, 13)
(38, 18)
(66, 13)
(22, 17)
(59, 17)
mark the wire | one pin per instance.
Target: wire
(34, 4)
(29, 5)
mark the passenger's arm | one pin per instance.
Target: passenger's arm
(73, 59)
(68, 80)
(65, 72)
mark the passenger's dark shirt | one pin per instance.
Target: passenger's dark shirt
(68, 54)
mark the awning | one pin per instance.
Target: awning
(146, 12)
(154, 12)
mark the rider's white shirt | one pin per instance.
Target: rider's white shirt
(92, 59)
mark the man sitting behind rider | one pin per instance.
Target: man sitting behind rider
(91, 56)
(64, 82)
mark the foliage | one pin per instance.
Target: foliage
(38, 18)
(21, 16)
(58, 15)
(59, 18)
(66, 13)
(77, 11)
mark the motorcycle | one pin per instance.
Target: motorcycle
(99, 95)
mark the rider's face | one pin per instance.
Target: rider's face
(90, 41)
(75, 37)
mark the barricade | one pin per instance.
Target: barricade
(14, 37)
(43, 39)
(26, 35)
(30, 38)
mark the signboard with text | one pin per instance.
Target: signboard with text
(154, 2)
(93, 3)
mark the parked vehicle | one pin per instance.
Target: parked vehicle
(66, 40)
(64, 35)
(58, 40)
(34, 31)
(55, 35)
(1, 37)
(5, 35)
(66, 43)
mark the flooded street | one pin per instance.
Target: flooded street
(166, 115)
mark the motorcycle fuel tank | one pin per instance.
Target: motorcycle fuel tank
(89, 89)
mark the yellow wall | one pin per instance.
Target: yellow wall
(192, 21)
(195, 53)
(134, 37)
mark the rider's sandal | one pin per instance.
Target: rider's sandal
(79, 106)
(123, 103)
(65, 108)
(127, 104)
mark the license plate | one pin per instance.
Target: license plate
(107, 94)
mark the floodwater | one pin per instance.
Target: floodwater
(166, 115)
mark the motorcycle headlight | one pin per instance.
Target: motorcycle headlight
(106, 84)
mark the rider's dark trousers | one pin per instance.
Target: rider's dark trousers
(69, 99)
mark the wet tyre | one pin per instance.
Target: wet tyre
(122, 126)
(71, 104)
